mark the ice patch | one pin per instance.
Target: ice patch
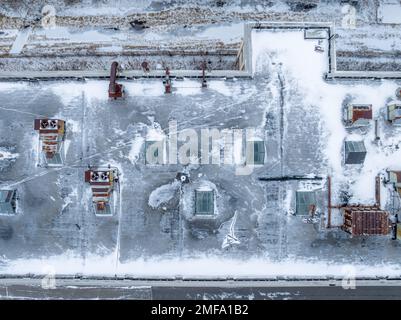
(163, 194)
(91, 90)
(135, 151)
(230, 239)
(11, 86)
(6, 154)
(220, 87)
(150, 88)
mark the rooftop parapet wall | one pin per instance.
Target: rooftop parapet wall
(244, 62)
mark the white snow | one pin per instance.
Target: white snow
(304, 68)
(69, 263)
(91, 90)
(120, 8)
(20, 41)
(389, 11)
(110, 49)
(69, 199)
(163, 194)
(150, 88)
(220, 87)
(135, 151)
(230, 239)
(229, 32)
(187, 87)
(155, 134)
(7, 155)
(64, 34)
(11, 86)
(73, 126)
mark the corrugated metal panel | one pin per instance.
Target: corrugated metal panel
(361, 114)
(366, 221)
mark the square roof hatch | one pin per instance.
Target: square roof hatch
(204, 202)
(304, 201)
(8, 202)
(258, 152)
(355, 152)
(255, 153)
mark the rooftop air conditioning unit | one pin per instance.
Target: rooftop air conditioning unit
(104, 176)
(94, 176)
(44, 124)
(53, 124)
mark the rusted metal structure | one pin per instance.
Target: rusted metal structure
(51, 138)
(358, 115)
(145, 66)
(365, 220)
(167, 82)
(377, 131)
(240, 59)
(204, 82)
(377, 191)
(115, 89)
(394, 113)
(361, 219)
(102, 183)
(394, 177)
(328, 202)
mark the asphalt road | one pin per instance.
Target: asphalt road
(198, 290)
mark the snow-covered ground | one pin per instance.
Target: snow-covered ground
(389, 12)
(204, 266)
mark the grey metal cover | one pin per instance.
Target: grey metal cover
(8, 201)
(258, 152)
(204, 202)
(304, 199)
(106, 212)
(396, 113)
(56, 160)
(355, 152)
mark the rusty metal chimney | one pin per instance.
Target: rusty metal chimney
(377, 191)
(328, 202)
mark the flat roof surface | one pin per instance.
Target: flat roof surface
(142, 236)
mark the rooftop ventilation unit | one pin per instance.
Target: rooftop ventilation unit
(51, 138)
(358, 115)
(102, 186)
(354, 152)
(394, 113)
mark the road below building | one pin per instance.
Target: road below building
(197, 289)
